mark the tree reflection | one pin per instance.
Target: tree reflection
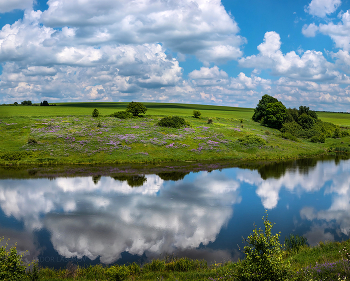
(133, 180)
(172, 176)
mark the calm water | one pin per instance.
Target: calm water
(123, 219)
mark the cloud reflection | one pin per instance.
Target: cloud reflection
(109, 217)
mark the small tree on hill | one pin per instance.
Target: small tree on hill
(196, 113)
(136, 108)
(276, 114)
(44, 103)
(95, 113)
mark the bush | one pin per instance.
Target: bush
(173, 122)
(319, 138)
(289, 136)
(252, 140)
(118, 273)
(260, 110)
(135, 108)
(306, 121)
(210, 121)
(15, 103)
(263, 256)
(26, 102)
(196, 113)
(11, 264)
(32, 141)
(155, 265)
(95, 113)
(337, 133)
(122, 114)
(293, 243)
(44, 103)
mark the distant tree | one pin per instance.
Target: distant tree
(44, 103)
(136, 108)
(276, 115)
(26, 102)
(260, 110)
(95, 113)
(15, 103)
(306, 121)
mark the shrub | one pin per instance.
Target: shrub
(306, 121)
(155, 265)
(15, 103)
(32, 141)
(263, 256)
(95, 113)
(337, 133)
(26, 102)
(11, 264)
(210, 121)
(121, 114)
(173, 122)
(135, 108)
(44, 103)
(319, 138)
(196, 113)
(289, 136)
(118, 273)
(293, 243)
(252, 140)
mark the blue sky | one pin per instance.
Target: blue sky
(224, 52)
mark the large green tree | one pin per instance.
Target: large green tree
(136, 108)
(260, 110)
(276, 114)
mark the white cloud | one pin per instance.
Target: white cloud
(309, 30)
(7, 6)
(311, 65)
(201, 28)
(322, 8)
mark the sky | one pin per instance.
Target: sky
(228, 52)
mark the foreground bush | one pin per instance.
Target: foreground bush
(12, 267)
(252, 140)
(196, 113)
(173, 122)
(263, 256)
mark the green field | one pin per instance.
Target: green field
(67, 134)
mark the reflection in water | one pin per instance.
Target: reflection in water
(187, 214)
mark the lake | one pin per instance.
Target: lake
(108, 216)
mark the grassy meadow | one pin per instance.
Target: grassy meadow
(68, 134)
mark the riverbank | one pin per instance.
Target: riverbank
(83, 140)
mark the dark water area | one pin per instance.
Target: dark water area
(121, 215)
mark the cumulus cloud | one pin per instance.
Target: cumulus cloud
(201, 28)
(322, 8)
(311, 65)
(8, 6)
(309, 30)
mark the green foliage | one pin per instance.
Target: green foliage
(32, 141)
(289, 136)
(15, 103)
(260, 110)
(118, 273)
(26, 102)
(196, 113)
(173, 122)
(293, 243)
(337, 133)
(251, 139)
(14, 155)
(276, 114)
(172, 176)
(210, 121)
(155, 265)
(136, 108)
(185, 264)
(11, 264)
(95, 113)
(306, 121)
(132, 180)
(318, 138)
(263, 256)
(44, 103)
(121, 114)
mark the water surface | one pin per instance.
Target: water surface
(126, 218)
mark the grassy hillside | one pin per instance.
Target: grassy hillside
(67, 133)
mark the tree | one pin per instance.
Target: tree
(26, 102)
(276, 114)
(136, 108)
(306, 121)
(260, 110)
(44, 103)
(15, 103)
(95, 113)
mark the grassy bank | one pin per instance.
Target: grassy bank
(67, 134)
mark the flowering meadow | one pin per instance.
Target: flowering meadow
(83, 139)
